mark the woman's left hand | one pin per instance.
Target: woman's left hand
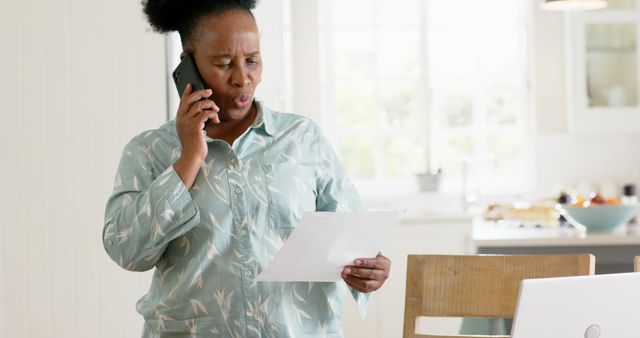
(367, 274)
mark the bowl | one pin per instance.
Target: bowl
(428, 181)
(599, 218)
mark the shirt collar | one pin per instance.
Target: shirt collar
(264, 118)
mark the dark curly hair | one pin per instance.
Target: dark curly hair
(183, 15)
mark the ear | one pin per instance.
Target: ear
(183, 54)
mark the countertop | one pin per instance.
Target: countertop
(491, 234)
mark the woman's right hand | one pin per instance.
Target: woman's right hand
(194, 110)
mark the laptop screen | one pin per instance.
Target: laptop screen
(600, 306)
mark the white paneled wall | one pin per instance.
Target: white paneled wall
(80, 78)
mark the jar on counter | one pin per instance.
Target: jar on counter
(629, 198)
(629, 195)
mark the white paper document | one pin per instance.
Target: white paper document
(324, 242)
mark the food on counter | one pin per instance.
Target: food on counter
(544, 213)
(541, 211)
(612, 201)
(596, 199)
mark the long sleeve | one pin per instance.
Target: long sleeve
(145, 211)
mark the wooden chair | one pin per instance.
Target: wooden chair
(636, 264)
(477, 285)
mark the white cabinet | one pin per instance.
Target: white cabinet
(386, 307)
(603, 63)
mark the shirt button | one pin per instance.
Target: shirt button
(109, 242)
(238, 190)
(243, 232)
(247, 273)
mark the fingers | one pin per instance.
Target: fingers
(379, 262)
(213, 116)
(187, 90)
(197, 99)
(366, 273)
(200, 106)
(362, 285)
(192, 103)
(189, 96)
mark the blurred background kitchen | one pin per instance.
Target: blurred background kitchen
(440, 107)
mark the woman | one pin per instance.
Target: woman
(210, 208)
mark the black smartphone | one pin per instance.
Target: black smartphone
(186, 73)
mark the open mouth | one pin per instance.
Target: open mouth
(242, 101)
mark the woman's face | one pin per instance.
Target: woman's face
(226, 48)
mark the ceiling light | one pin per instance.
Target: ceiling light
(572, 5)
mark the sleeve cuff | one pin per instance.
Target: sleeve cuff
(178, 196)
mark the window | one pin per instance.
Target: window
(414, 86)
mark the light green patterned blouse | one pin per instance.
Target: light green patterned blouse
(208, 243)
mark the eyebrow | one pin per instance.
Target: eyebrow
(228, 56)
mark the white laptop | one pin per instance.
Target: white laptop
(600, 306)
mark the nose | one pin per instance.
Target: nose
(240, 77)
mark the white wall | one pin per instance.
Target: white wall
(549, 77)
(80, 78)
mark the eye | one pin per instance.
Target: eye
(253, 61)
(223, 65)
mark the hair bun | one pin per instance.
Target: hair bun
(164, 15)
(175, 15)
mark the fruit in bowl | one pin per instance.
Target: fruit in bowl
(596, 199)
(599, 217)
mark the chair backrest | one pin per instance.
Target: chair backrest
(478, 285)
(636, 264)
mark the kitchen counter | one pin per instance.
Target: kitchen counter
(490, 234)
(614, 251)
